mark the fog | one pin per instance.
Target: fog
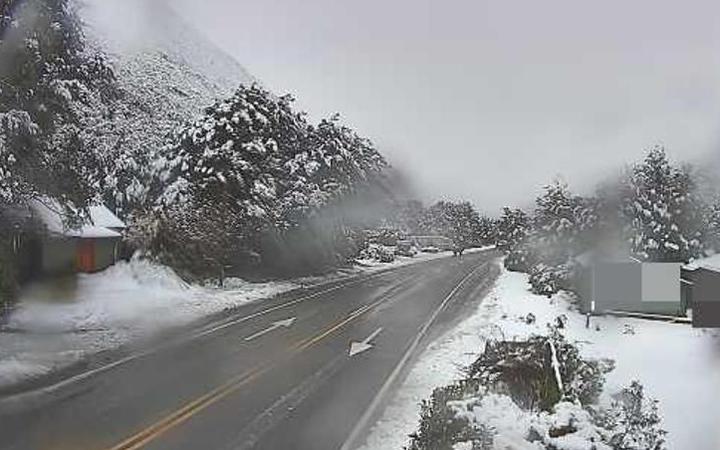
(489, 100)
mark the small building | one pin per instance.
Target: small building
(701, 285)
(91, 247)
(615, 282)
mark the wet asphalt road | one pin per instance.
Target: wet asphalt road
(275, 375)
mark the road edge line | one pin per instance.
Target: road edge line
(362, 424)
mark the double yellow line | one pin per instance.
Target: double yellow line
(192, 408)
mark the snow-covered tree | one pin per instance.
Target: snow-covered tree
(260, 166)
(457, 220)
(713, 225)
(562, 222)
(513, 228)
(47, 80)
(326, 164)
(663, 210)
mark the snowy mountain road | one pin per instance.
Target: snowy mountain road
(298, 372)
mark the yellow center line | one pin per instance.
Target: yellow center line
(192, 408)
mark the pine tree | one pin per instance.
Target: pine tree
(513, 228)
(562, 223)
(663, 211)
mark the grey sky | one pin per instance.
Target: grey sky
(489, 100)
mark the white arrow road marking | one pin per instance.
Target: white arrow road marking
(359, 347)
(280, 323)
(353, 439)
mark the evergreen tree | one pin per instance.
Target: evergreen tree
(259, 172)
(513, 228)
(458, 221)
(662, 210)
(47, 80)
(713, 226)
(562, 223)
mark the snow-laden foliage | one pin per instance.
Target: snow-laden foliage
(166, 74)
(663, 211)
(562, 222)
(654, 212)
(536, 393)
(512, 229)
(635, 421)
(713, 226)
(377, 252)
(539, 372)
(330, 163)
(51, 88)
(49, 80)
(255, 164)
(546, 279)
(459, 221)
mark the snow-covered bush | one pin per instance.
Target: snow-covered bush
(540, 371)
(378, 252)
(536, 393)
(635, 421)
(547, 279)
(441, 428)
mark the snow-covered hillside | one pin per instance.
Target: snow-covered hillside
(168, 73)
(153, 47)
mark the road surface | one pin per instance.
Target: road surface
(307, 371)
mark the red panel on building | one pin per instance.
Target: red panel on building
(85, 257)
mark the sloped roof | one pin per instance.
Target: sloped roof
(50, 213)
(709, 263)
(101, 216)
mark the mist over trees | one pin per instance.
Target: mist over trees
(249, 183)
(655, 211)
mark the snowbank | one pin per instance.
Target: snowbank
(679, 365)
(59, 322)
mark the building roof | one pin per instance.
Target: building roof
(51, 214)
(101, 216)
(709, 263)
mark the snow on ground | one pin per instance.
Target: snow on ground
(711, 262)
(678, 365)
(59, 322)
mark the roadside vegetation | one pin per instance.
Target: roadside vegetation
(654, 211)
(546, 394)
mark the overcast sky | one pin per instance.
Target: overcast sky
(489, 100)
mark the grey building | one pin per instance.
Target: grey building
(91, 247)
(618, 283)
(701, 287)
